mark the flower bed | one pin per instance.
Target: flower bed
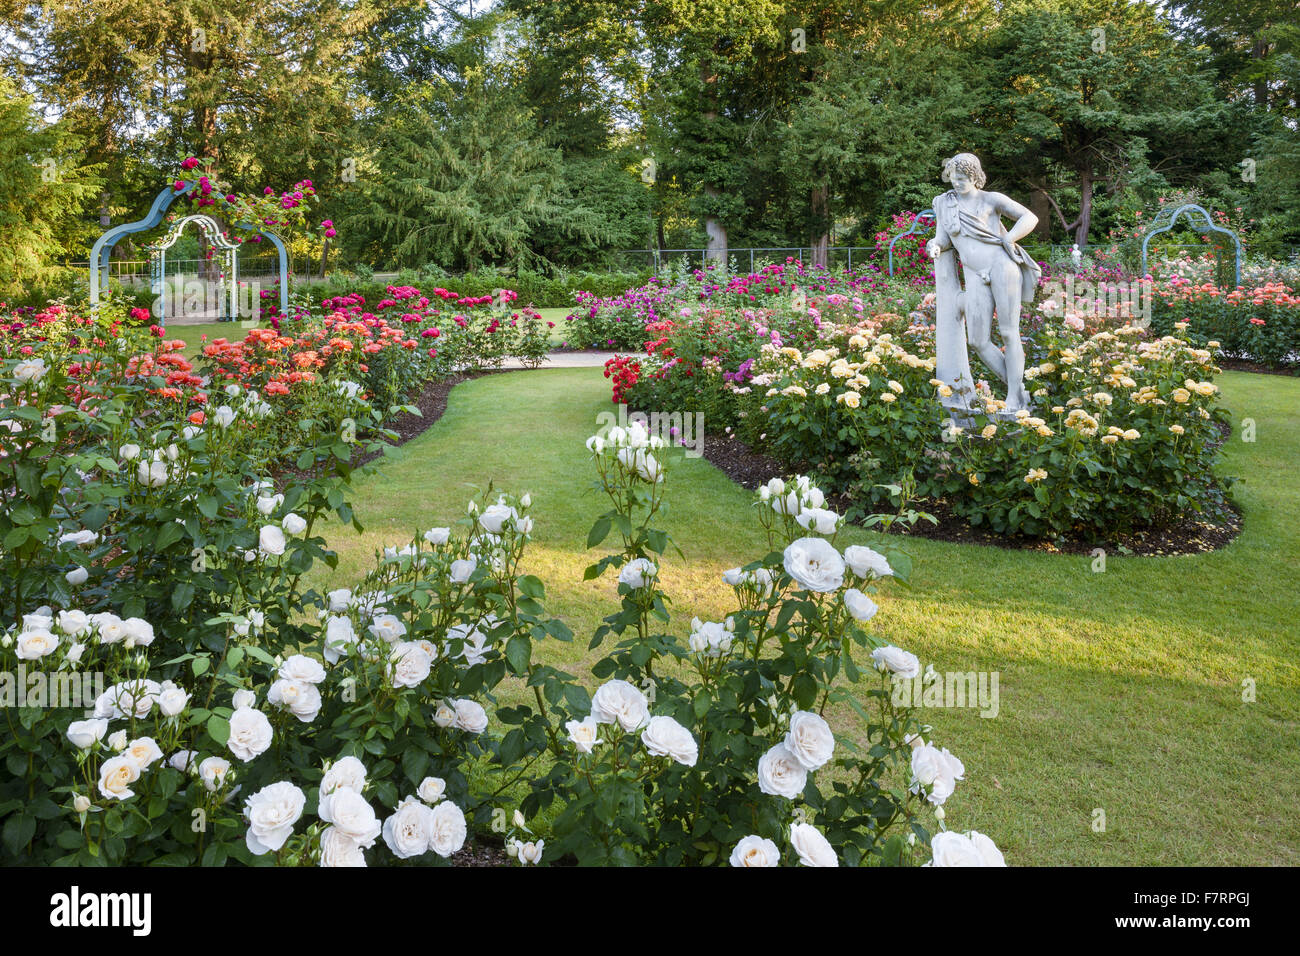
(243, 718)
(623, 322)
(1123, 436)
(1259, 324)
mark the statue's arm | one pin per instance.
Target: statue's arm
(941, 241)
(1025, 221)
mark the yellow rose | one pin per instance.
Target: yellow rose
(1176, 429)
(1109, 439)
(887, 397)
(989, 431)
(851, 399)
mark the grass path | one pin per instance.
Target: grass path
(1119, 691)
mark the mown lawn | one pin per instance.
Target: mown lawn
(1119, 691)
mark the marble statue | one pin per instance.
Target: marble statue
(1000, 278)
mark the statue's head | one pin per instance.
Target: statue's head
(968, 165)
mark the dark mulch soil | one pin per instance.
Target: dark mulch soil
(1241, 365)
(478, 852)
(734, 458)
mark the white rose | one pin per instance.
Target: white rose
(129, 452)
(530, 852)
(182, 760)
(300, 698)
(339, 849)
(474, 642)
(83, 536)
(212, 771)
(346, 772)
(77, 576)
(116, 776)
(470, 716)
(584, 734)
(957, 849)
(135, 698)
(224, 415)
(30, 370)
(74, 623)
(812, 846)
(270, 540)
(33, 645)
(860, 606)
(814, 565)
(411, 664)
(755, 851)
(118, 741)
(152, 474)
(339, 600)
(901, 662)
(81, 803)
(818, 520)
(462, 569)
(407, 831)
(293, 524)
(617, 701)
(809, 740)
(987, 849)
(144, 751)
(637, 573)
(494, 517)
(243, 698)
(865, 562)
(387, 627)
(74, 653)
(138, 632)
(780, 774)
(665, 737)
(445, 714)
(84, 733)
(937, 770)
(349, 811)
(437, 536)
(172, 700)
(339, 633)
(250, 733)
(710, 637)
(272, 812)
(109, 627)
(447, 829)
(302, 668)
(266, 504)
(431, 789)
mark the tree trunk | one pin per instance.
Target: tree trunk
(1258, 52)
(821, 217)
(1041, 206)
(716, 245)
(1085, 205)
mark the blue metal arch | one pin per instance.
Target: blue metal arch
(911, 230)
(1166, 220)
(99, 253)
